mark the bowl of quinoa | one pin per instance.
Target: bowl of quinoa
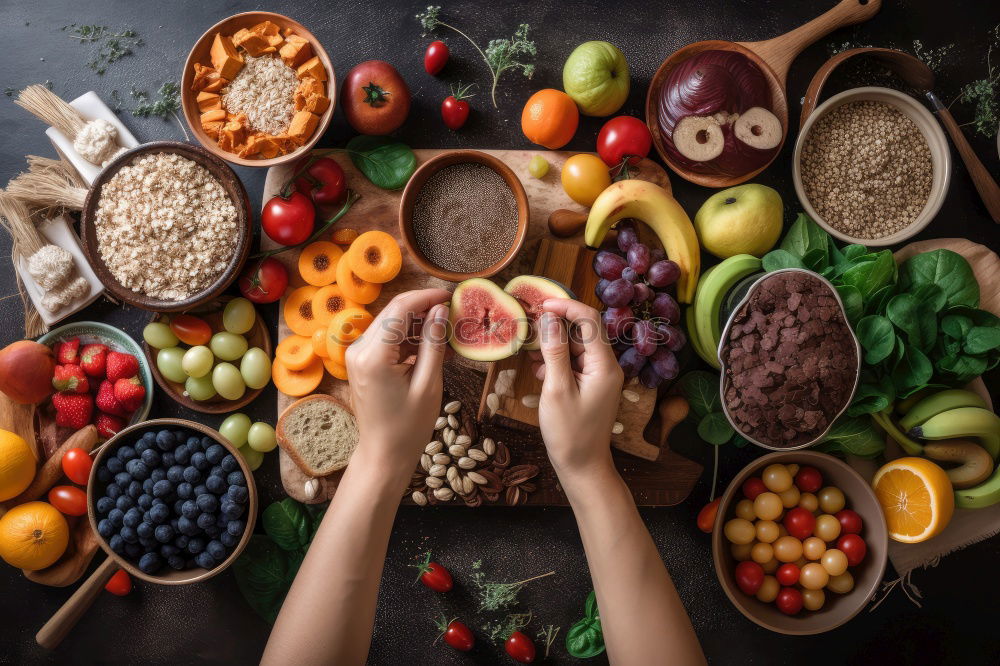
(166, 226)
(871, 166)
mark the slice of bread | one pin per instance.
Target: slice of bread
(319, 433)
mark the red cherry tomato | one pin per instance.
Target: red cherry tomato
(436, 57)
(69, 500)
(520, 648)
(706, 517)
(288, 221)
(787, 574)
(749, 576)
(753, 487)
(435, 576)
(191, 330)
(850, 521)
(265, 281)
(458, 636)
(808, 479)
(854, 547)
(800, 523)
(323, 180)
(623, 137)
(76, 464)
(454, 112)
(789, 601)
(120, 584)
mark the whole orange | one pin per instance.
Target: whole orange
(33, 536)
(550, 118)
(17, 465)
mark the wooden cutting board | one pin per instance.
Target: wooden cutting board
(664, 482)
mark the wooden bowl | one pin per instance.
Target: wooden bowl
(839, 608)
(230, 183)
(169, 576)
(199, 53)
(211, 313)
(431, 167)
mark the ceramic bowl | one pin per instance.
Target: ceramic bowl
(116, 339)
(199, 53)
(838, 608)
(928, 126)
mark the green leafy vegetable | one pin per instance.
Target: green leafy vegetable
(715, 429)
(775, 260)
(946, 269)
(804, 237)
(701, 388)
(981, 339)
(855, 436)
(876, 335)
(386, 162)
(288, 524)
(914, 318)
(854, 302)
(585, 639)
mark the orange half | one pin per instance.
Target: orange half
(916, 497)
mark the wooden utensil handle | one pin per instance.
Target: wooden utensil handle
(780, 51)
(564, 223)
(815, 89)
(60, 624)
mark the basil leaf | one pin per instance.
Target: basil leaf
(585, 639)
(701, 388)
(853, 302)
(715, 429)
(778, 259)
(262, 575)
(856, 436)
(981, 339)
(949, 270)
(590, 606)
(386, 162)
(288, 524)
(877, 337)
(805, 237)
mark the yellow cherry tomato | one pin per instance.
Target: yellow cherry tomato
(827, 528)
(768, 590)
(770, 566)
(740, 551)
(813, 548)
(787, 549)
(767, 531)
(813, 600)
(813, 576)
(776, 478)
(762, 553)
(834, 561)
(739, 530)
(584, 177)
(831, 499)
(744, 510)
(808, 501)
(790, 498)
(767, 506)
(841, 584)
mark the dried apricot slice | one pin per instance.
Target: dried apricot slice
(318, 263)
(297, 383)
(295, 351)
(337, 370)
(318, 341)
(335, 351)
(299, 312)
(354, 288)
(344, 236)
(328, 301)
(348, 325)
(375, 257)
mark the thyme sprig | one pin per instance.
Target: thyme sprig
(110, 46)
(498, 596)
(983, 93)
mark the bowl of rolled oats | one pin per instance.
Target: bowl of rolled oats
(166, 226)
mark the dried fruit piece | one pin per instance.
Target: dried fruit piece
(375, 257)
(758, 128)
(295, 351)
(699, 138)
(318, 263)
(299, 313)
(328, 301)
(354, 288)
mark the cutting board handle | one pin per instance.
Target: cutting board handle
(780, 51)
(60, 624)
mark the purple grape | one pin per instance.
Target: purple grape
(666, 308)
(609, 265)
(618, 293)
(618, 322)
(630, 275)
(663, 273)
(638, 258)
(673, 337)
(665, 363)
(649, 377)
(631, 362)
(641, 293)
(657, 254)
(599, 288)
(626, 236)
(645, 337)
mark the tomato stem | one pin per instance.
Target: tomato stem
(352, 196)
(461, 92)
(374, 94)
(528, 580)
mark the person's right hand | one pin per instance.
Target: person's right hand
(581, 388)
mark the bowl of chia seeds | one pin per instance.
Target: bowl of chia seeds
(871, 166)
(464, 214)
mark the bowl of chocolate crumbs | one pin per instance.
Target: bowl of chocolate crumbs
(790, 361)
(166, 226)
(464, 214)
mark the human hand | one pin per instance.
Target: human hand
(581, 388)
(396, 398)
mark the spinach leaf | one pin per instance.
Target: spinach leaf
(386, 162)
(778, 259)
(262, 575)
(854, 252)
(871, 275)
(856, 436)
(949, 270)
(585, 639)
(981, 339)
(877, 337)
(913, 372)
(930, 295)
(853, 302)
(873, 395)
(914, 318)
(288, 524)
(715, 429)
(805, 237)
(701, 388)
(877, 301)
(962, 368)
(815, 260)
(590, 606)
(956, 326)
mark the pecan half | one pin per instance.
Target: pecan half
(519, 474)
(513, 496)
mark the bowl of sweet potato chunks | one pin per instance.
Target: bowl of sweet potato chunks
(262, 125)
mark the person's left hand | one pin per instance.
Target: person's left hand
(395, 398)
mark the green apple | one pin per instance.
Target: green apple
(745, 219)
(596, 77)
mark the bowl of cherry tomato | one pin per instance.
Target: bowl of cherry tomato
(800, 543)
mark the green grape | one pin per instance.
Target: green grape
(538, 167)
(228, 381)
(239, 316)
(254, 458)
(159, 336)
(256, 368)
(168, 361)
(198, 361)
(261, 437)
(235, 428)
(228, 346)
(200, 388)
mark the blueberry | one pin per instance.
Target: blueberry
(115, 465)
(200, 461)
(200, 489)
(163, 488)
(216, 484)
(158, 474)
(149, 438)
(123, 479)
(137, 469)
(215, 453)
(181, 540)
(104, 505)
(207, 442)
(159, 513)
(145, 501)
(182, 455)
(196, 545)
(124, 502)
(129, 534)
(116, 516)
(208, 503)
(238, 494)
(216, 550)
(126, 453)
(205, 521)
(175, 473)
(105, 528)
(212, 530)
(228, 540)
(144, 530)
(150, 563)
(134, 489)
(178, 505)
(132, 517)
(187, 526)
(104, 475)
(221, 520)
(151, 457)
(185, 490)
(175, 562)
(229, 463)
(168, 549)
(140, 446)
(165, 440)
(163, 500)
(217, 471)
(147, 486)
(231, 509)
(167, 459)
(148, 543)
(133, 550)
(116, 543)
(190, 509)
(113, 491)
(191, 474)
(236, 479)
(146, 517)
(164, 534)
(180, 436)
(205, 560)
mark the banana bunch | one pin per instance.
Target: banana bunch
(704, 322)
(953, 414)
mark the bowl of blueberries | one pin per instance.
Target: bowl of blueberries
(172, 501)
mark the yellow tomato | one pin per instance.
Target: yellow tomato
(584, 177)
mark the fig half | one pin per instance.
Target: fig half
(487, 324)
(531, 291)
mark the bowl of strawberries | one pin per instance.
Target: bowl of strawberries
(101, 377)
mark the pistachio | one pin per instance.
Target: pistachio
(457, 450)
(467, 463)
(468, 485)
(489, 446)
(530, 401)
(493, 403)
(434, 482)
(444, 494)
(449, 436)
(437, 470)
(452, 474)
(617, 428)
(441, 422)
(441, 459)
(463, 440)
(433, 447)
(456, 485)
(477, 478)
(311, 488)
(477, 454)
(425, 462)
(452, 422)
(419, 498)
(453, 407)
(631, 396)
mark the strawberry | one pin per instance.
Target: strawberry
(73, 410)
(68, 351)
(108, 425)
(107, 402)
(121, 366)
(130, 393)
(70, 378)
(93, 359)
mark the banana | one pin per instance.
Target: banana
(939, 402)
(963, 422)
(653, 205)
(712, 289)
(884, 420)
(692, 332)
(985, 494)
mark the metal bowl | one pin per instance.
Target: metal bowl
(725, 369)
